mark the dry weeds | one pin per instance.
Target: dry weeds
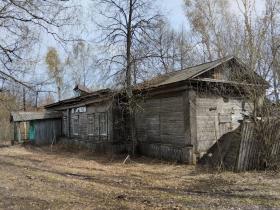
(35, 178)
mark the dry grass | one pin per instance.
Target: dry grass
(35, 178)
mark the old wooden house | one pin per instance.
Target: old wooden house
(180, 115)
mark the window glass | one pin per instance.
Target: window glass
(96, 124)
(65, 125)
(76, 125)
(103, 123)
(90, 124)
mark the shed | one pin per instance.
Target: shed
(39, 128)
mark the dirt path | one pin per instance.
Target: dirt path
(35, 178)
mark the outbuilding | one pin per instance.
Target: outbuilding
(39, 128)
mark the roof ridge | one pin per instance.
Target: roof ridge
(220, 59)
(187, 68)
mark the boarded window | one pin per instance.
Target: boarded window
(103, 123)
(76, 125)
(90, 124)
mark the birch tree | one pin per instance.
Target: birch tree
(81, 61)
(55, 69)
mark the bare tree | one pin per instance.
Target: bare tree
(127, 21)
(217, 29)
(273, 38)
(22, 20)
(81, 61)
(22, 24)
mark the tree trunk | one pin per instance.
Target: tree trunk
(59, 93)
(129, 91)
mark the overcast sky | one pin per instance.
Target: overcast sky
(174, 11)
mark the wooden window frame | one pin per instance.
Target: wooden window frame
(76, 127)
(105, 132)
(90, 128)
(99, 125)
(65, 119)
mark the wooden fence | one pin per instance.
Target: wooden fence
(250, 148)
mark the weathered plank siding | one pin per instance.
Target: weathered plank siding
(251, 148)
(81, 133)
(215, 117)
(161, 120)
(47, 131)
(160, 125)
(111, 142)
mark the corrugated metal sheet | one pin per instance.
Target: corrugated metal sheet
(28, 116)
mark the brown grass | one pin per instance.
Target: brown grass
(36, 178)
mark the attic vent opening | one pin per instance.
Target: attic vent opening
(226, 100)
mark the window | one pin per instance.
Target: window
(65, 125)
(90, 124)
(103, 123)
(76, 125)
(96, 124)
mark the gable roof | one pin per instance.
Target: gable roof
(190, 73)
(184, 74)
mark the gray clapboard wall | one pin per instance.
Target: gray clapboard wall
(160, 124)
(82, 129)
(216, 116)
(47, 131)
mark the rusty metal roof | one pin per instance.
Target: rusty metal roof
(29, 116)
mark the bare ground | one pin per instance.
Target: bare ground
(36, 178)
